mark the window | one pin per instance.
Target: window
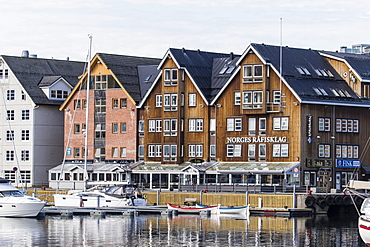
(324, 150)
(100, 82)
(141, 125)
(141, 151)
(10, 135)
(262, 150)
(170, 127)
(6, 73)
(155, 125)
(114, 152)
(252, 126)
(346, 151)
(252, 73)
(170, 102)
(58, 94)
(170, 151)
(9, 155)
(25, 114)
(84, 104)
(347, 125)
(234, 124)
(195, 150)
(10, 94)
(123, 152)
(10, 115)
(99, 154)
(192, 99)
(77, 103)
(123, 102)
(115, 128)
(262, 126)
(170, 77)
(25, 155)
(123, 127)
(213, 151)
(100, 105)
(234, 150)
(280, 150)
(25, 135)
(23, 95)
(212, 124)
(251, 150)
(252, 99)
(236, 98)
(100, 130)
(281, 123)
(276, 97)
(158, 100)
(196, 125)
(77, 152)
(114, 103)
(77, 128)
(324, 124)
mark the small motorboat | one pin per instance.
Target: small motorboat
(192, 209)
(102, 195)
(364, 221)
(14, 203)
(244, 210)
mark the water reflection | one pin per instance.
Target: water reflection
(181, 230)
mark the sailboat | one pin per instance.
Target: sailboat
(106, 194)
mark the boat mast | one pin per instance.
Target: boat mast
(87, 114)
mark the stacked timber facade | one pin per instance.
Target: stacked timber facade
(202, 118)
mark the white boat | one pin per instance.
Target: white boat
(103, 195)
(192, 209)
(14, 203)
(364, 221)
(244, 210)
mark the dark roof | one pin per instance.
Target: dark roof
(48, 80)
(31, 71)
(201, 65)
(147, 76)
(125, 68)
(306, 85)
(359, 62)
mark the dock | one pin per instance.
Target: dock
(285, 212)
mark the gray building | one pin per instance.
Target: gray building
(31, 125)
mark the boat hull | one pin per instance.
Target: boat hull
(364, 228)
(230, 210)
(90, 201)
(193, 210)
(24, 206)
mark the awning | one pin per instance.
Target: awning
(255, 167)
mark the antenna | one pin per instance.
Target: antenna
(281, 58)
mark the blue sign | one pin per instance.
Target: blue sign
(348, 163)
(69, 151)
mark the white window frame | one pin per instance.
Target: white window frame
(158, 100)
(192, 99)
(237, 99)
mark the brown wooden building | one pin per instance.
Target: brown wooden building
(273, 116)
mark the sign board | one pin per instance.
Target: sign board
(348, 163)
(316, 162)
(69, 151)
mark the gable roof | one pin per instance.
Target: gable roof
(31, 71)
(358, 63)
(126, 69)
(203, 68)
(310, 87)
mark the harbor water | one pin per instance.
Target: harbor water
(181, 230)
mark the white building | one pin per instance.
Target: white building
(31, 125)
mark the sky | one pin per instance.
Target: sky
(147, 28)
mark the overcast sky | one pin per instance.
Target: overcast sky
(59, 29)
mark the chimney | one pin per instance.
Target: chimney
(231, 56)
(24, 53)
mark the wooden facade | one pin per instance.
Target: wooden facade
(238, 119)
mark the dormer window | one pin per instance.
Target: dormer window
(252, 73)
(58, 94)
(170, 77)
